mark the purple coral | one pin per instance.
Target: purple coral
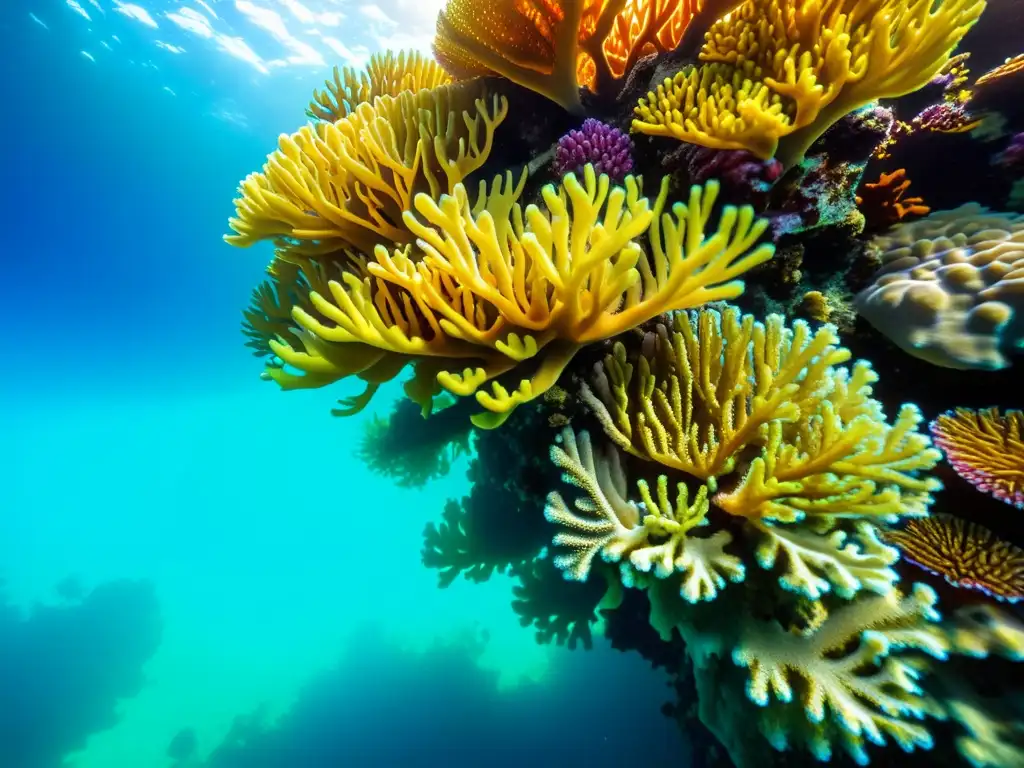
(608, 148)
(740, 172)
(1012, 158)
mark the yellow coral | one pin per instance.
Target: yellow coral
(795, 446)
(775, 74)
(496, 284)
(537, 44)
(346, 185)
(386, 74)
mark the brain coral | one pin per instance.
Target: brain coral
(951, 287)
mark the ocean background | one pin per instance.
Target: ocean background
(196, 571)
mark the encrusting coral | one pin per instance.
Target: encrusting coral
(775, 74)
(949, 290)
(985, 448)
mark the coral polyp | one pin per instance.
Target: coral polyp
(986, 448)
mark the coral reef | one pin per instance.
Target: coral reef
(580, 229)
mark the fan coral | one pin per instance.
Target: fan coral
(986, 449)
(386, 74)
(883, 203)
(786, 70)
(949, 290)
(346, 185)
(497, 285)
(607, 148)
(537, 46)
(965, 554)
(702, 397)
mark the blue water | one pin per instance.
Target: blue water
(187, 554)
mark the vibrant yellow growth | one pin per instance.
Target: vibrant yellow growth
(788, 69)
(795, 446)
(535, 44)
(494, 285)
(718, 106)
(346, 185)
(386, 74)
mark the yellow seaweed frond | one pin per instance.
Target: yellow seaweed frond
(386, 74)
(346, 185)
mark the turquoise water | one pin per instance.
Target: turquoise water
(137, 443)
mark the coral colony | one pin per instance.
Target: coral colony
(608, 304)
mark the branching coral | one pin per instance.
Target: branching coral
(949, 290)
(845, 677)
(537, 45)
(411, 447)
(495, 285)
(386, 74)
(965, 554)
(346, 185)
(785, 71)
(560, 611)
(797, 450)
(884, 203)
(986, 449)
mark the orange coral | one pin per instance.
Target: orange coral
(965, 554)
(883, 203)
(536, 44)
(644, 27)
(1010, 68)
(986, 449)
